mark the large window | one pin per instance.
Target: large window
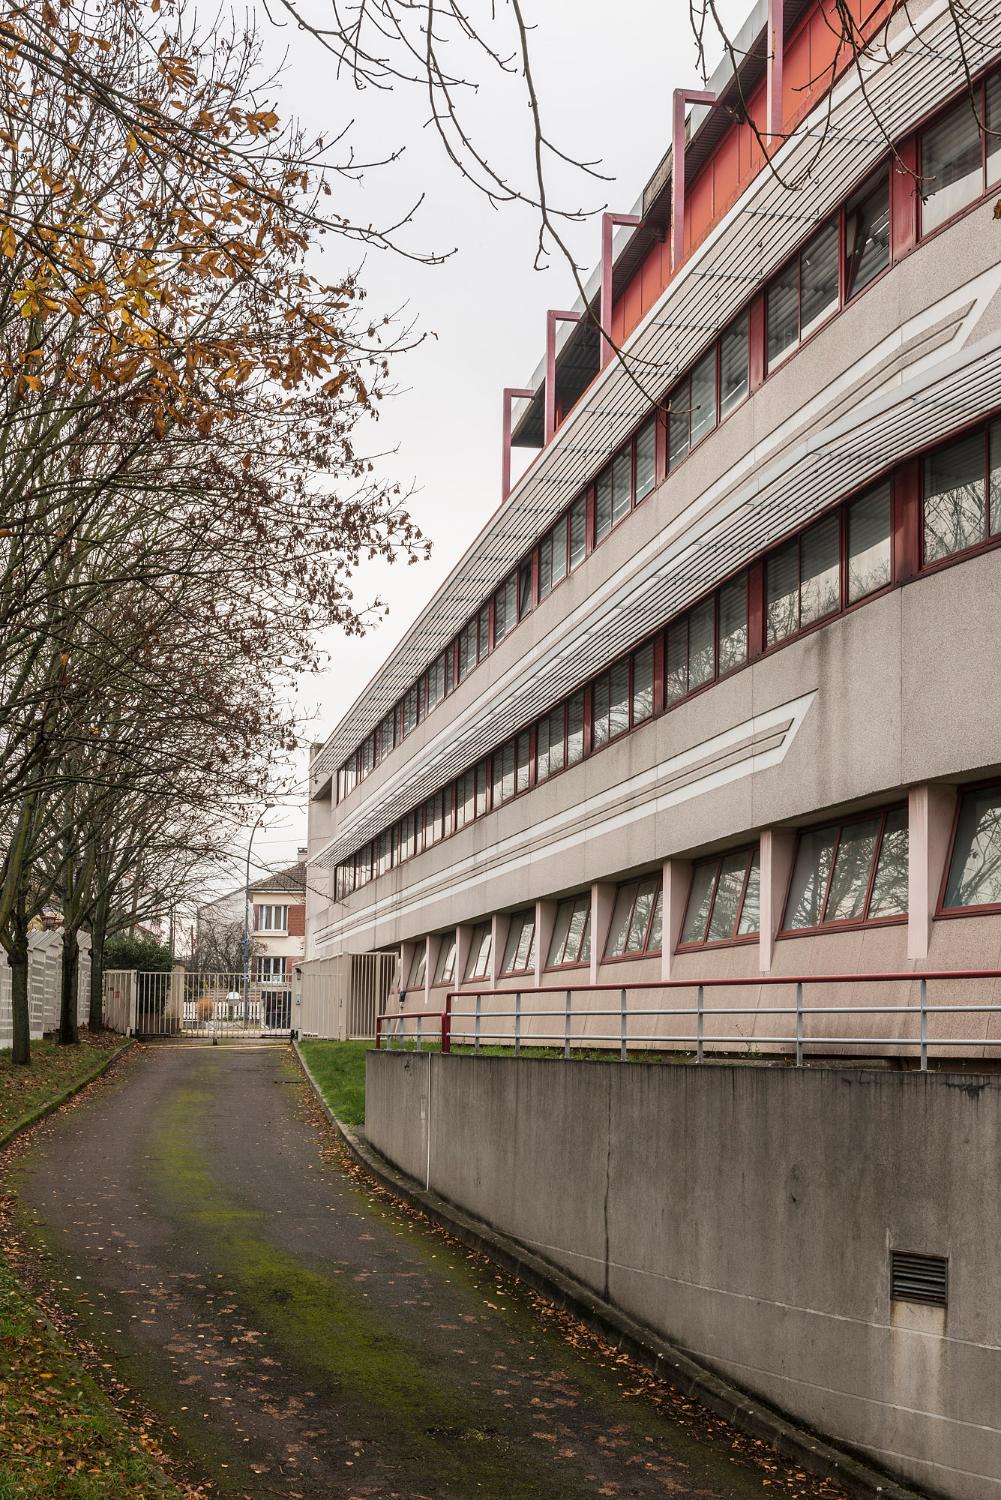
(444, 969)
(272, 970)
(802, 295)
(271, 918)
(571, 940)
(712, 388)
(707, 642)
(975, 868)
(805, 581)
(962, 494)
(957, 162)
(519, 950)
(724, 901)
(613, 494)
(636, 919)
(478, 962)
(418, 968)
(854, 871)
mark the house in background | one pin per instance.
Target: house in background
(277, 931)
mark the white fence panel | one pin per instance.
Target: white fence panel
(338, 999)
(45, 968)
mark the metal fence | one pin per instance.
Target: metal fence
(181, 1003)
(896, 1014)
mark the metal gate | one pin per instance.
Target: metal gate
(216, 1007)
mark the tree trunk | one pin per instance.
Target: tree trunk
(96, 1016)
(18, 959)
(68, 996)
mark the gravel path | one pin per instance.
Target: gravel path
(299, 1335)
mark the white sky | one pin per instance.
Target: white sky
(605, 88)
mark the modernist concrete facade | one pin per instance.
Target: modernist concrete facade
(772, 653)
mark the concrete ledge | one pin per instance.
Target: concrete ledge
(668, 1363)
(53, 1104)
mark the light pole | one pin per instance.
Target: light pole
(246, 920)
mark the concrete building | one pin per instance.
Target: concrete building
(715, 691)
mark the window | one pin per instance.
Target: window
(975, 867)
(692, 408)
(467, 654)
(271, 970)
(850, 872)
(506, 607)
(636, 920)
(550, 744)
(641, 694)
(436, 826)
(993, 128)
(578, 532)
(803, 581)
(724, 901)
(733, 366)
(519, 950)
(436, 682)
(522, 762)
(465, 799)
(482, 788)
(483, 628)
(868, 551)
(867, 234)
(525, 600)
(613, 494)
(405, 842)
(504, 773)
(444, 969)
(646, 459)
(553, 558)
(418, 968)
(802, 295)
(271, 918)
(692, 656)
(962, 494)
(410, 711)
(610, 705)
(952, 165)
(571, 940)
(478, 962)
(575, 729)
(384, 851)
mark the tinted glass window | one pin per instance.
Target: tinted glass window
(954, 499)
(951, 164)
(646, 459)
(869, 543)
(975, 870)
(733, 366)
(867, 235)
(819, 279)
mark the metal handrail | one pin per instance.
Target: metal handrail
(393, 1024)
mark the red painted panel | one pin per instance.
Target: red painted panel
(699, 209)
(632, 306)
(296, 921)
(904, 200)
(726, 171)
(906, 520)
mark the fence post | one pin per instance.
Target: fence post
(924, 1025)
(566, 1026)
(622, 1024)
(419, 1033)
(700, 1050)
(517, 1024)
(446, 1025)
(799, 1023)
(476, 1027)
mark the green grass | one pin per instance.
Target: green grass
(53, 1070)
(339, 1069)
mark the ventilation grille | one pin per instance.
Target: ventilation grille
(919, 1278)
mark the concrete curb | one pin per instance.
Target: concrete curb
(53, 1104)
(670, 1364)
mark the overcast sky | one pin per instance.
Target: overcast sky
(605, 74)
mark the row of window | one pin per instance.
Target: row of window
(958, 160)
(845, 873)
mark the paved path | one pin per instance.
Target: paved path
(305, 1338)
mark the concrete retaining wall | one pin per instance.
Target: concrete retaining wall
(748, 1214)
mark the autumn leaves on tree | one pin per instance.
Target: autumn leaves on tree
(183, 488)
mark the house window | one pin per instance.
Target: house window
(571, 940)
(478, 962)
(641, 692)
(613, 494)
(802, 295)
(522, 762)
(444, 969)
(434, 819)
(854, 871)
(636, 920)
(271, 970)
(975, 867)
(952, 161)
(724, 901)
(271, 918)
(867, 234)
(467, 649)
(483, 633)
(387, 735)
(519, 950)
(962, 494)
(418, 968)
(646, 459)
(384, 851)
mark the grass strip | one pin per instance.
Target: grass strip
(339, 1070)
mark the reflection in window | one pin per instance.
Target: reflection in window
(951, 164)
(613, 494)
(478, 962)
(867, 234)
(506, 607)
(519, 950)
(993, 128)
(444, 969)
(642, 695)
(571, 940)
(733, 366)
(646, 459)
(724, 899)
(549, 744)
(803, 580)
(578, 531)
(575, 729)
(869, 543)
(975, 868)
(610, 705)
(418, 968)
(850, 872)
(954, 510)
(802, 295)
(635, 926)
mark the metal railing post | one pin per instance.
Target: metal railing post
(476, 1025)
(418, 1033)
(566, 1026)
(517, 1024)
(799, 1023)
(446, 1025)
(924, 1025)
(700, 1030)
(622, 1024)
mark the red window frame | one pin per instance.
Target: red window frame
(987, 908)
(736, 937)
(850, 924)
